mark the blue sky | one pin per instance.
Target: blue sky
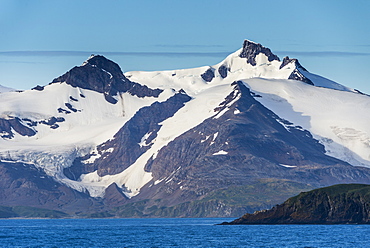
(42, 39)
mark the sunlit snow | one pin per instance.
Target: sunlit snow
(288, 166)
(327, 111)
(338, 119)
(222, 152)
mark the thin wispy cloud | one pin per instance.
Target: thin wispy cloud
(87, 53)
(21, 62)
(44, 53)
(188, 46)
(169, 54)
(323, 54)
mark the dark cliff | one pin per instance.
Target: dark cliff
(338, 204)
(103, 75)
(252, 49)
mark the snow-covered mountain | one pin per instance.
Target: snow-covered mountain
(179, 142)
(5, 89)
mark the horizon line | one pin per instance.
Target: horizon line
(61, 53)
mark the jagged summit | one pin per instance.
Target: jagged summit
(298, 72)
(102, 62)
(252, 49)
(100, 74)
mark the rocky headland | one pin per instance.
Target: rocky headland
(338, 204)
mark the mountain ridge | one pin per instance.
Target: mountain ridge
(94, 73)
(170, 140)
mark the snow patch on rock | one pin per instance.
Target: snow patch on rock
(222, 152)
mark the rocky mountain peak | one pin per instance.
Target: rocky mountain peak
(297, 73)
(252, 49)
(102, 63)
(103, 75)
(288, 60)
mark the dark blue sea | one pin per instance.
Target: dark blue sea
(174, 233)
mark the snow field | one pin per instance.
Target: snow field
(327, 113)
(338, 119)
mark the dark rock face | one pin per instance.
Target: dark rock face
(73, 99)
(104, 76)
(25, 185)
(208, 75)
(223, 70)
(338, 204)
(246, 143)
(6, 126)
(126, 143)
(61, 110)
(70, 107)
(296, 74)
(229, 200)
(38, 87)
(52, 122)
(251, 50)
(254, 132)
(114, 196)
(24, 126)
(288, 60)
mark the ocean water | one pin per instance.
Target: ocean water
(174, 233)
